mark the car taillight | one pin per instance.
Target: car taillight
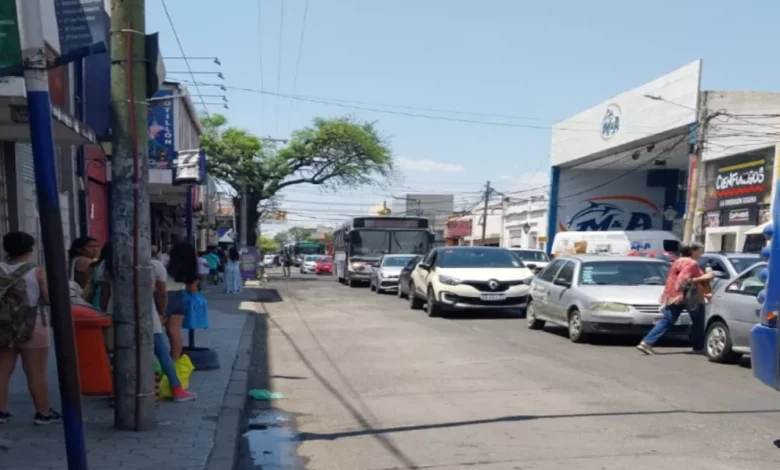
(770, 319)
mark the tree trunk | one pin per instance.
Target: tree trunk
(247, 231)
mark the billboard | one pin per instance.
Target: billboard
(660, 106)
(459, 228)
(161, 130)
(608, 200)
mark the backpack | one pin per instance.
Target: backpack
(17, 317)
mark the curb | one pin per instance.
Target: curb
(224, 454)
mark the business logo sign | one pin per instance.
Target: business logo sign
(741, 183)
(459, 228)
(161, 130)
(610, 123)
(619, 212)
(742, 216)
(83, 28)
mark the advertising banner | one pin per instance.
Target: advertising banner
(743, 180)
(161, 130)
(741, 216)
(459, 228)
(10, 45)
(248, 262)
(83, 28)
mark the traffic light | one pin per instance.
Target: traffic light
(280, 215)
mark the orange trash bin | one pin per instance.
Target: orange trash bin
(94, 366)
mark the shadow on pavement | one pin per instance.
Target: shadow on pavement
(268, 296)
(513, 419)
(621, 340)
(486, 315)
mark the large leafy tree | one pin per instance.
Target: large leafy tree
(334, 153)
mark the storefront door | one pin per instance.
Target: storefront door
(729, 243)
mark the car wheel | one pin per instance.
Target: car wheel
(414, 302)
(531, 320)
(575, 327)
(400, 292)
(718, 344)
(351, 283)
(431, 306)
(371, 286)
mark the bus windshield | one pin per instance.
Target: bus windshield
(375, 243)
(310, 249)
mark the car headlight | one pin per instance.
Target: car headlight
(357, 266)
(449, 280)
(609, 307)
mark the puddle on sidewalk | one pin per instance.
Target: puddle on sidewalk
(272, 441)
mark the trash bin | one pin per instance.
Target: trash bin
(93, 363)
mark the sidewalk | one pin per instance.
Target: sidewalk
(190, 436)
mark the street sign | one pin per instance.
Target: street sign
(10, 45)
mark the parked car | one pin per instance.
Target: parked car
(324, 265)
(600, 294)
(728, 265)
(734, 310)
(268, 260)
(469, 278)
(405, 276)
(308, 264)
(535, 260)
(385, 276)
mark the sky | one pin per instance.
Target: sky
(506, 71)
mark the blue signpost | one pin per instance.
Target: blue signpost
(764, 336)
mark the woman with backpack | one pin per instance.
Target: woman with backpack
(32, 346)
(182, 278)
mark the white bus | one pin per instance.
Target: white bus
(361, 242)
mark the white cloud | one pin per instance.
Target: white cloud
(427, 165)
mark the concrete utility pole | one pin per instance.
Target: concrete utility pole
(488, 190)
(134, 360)
(694, 170)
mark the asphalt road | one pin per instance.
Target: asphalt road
(375, 385)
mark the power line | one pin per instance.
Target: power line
(279, 70)
(260, 48)
(184, 55)
(298, 58)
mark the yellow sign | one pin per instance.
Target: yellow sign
(542, 239)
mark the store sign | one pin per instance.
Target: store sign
(743, 216)
(610, 123)
(459, 228)
(741, 181)
(712, 219)
(618, 212)
(161, 130)
(10, 45)
(83, 28)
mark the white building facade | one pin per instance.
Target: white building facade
(525, 222)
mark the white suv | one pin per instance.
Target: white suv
(469, 278)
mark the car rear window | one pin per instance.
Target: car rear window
(623, 273)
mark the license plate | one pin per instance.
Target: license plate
(492, 297)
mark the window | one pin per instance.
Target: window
(396, 261)
(672, 246)
(412, 262)
(566, 273)
(531, 255)
(552, 269)
(623, 273)
(478, 258)
(748, 283)
(742, 263)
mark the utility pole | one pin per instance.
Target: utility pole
(694, 170)
(134, 359)
(488, 190)
(42, 138)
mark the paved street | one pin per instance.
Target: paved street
(186, 433)
(375, 385)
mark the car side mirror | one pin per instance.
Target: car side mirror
(424, 266)
(530, 266)
(562, 282)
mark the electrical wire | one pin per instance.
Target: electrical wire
(298, 57)
(279, 70)
(184, 56)
(260, 48)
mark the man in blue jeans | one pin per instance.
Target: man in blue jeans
(684, 273)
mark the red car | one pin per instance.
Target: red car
(324, 265)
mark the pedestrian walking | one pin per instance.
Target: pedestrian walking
(165, 254)
(182, 278)
(203, 268)
(83, 252)
(233, 281)
(686, 288)
(286, 264)
(27, 297)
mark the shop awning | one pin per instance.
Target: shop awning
(758, 230)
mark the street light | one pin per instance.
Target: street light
(526, 228)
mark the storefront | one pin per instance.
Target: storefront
(624, 164)
(737, 198)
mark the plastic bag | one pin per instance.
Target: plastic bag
(197, 316)
(184, 368)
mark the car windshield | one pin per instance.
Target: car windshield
(396, 261)
(623, 273)
(531, 255)
(325, 259)
(375, 243)
(743, 262)
(310, 258)
(477, 258)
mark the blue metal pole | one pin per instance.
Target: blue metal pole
(552, 211)
(190, 216)
(42, 139)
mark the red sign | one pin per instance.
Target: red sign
(458, 228)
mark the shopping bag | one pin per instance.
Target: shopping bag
(184, 368)
(197, 313)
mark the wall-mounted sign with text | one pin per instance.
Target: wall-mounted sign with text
(741, 216)
(742, 181)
